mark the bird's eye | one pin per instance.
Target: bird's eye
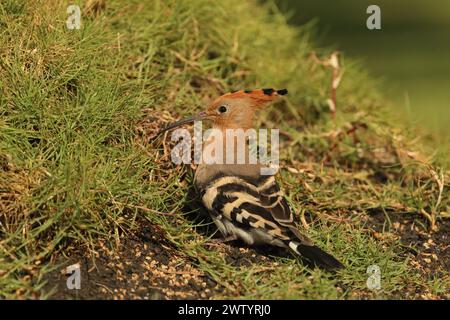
(222, 109)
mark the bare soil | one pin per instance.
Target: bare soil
(147, 267)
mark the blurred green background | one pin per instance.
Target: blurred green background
(411, 52)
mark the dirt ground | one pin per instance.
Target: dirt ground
(147, 267)
(432, 256)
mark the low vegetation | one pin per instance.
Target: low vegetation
(80, 168)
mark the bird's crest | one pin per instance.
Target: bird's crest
(256, 97)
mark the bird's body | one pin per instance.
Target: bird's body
(243, 203)
(251, 207)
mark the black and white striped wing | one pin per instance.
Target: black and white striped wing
(256, 204)
(259, 205)
(273, 199)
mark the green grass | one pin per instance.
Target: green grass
(78, 109)
(409, 53)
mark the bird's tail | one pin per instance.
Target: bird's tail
(315, 255)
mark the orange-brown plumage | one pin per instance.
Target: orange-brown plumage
(255, 97)
(239, 107)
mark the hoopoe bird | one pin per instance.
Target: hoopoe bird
(243, 203)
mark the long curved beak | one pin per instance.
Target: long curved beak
(197, 117)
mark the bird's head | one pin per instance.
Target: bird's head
(234, 110)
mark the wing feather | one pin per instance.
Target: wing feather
(255, 203)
